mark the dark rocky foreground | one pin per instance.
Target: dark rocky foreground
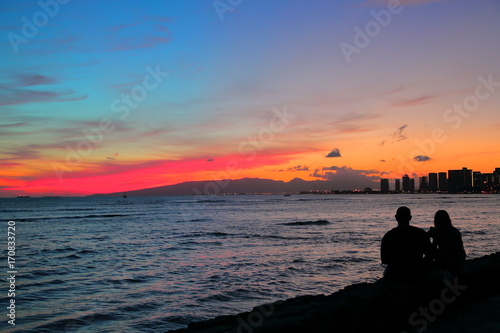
(380, 307)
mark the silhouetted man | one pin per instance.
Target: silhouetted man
(403, 249)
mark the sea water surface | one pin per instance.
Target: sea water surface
(151, 264)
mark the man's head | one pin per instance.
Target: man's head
(403, 215)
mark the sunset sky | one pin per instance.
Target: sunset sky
(108, 96)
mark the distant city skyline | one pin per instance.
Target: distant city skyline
(453, 181)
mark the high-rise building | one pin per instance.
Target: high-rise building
(477, 181)
(412, 185)
(496, 178)
(460, 180)
(468, 180)
(455, 181)
(406, 183)
(424, 184)
(433, 181)
(384, 185)
(398, 185)
(442, 182)
(488, 180)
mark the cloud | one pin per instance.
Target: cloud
(146, 32)
(334, 153)
(109, 176)
(13, 155)
(383, 161)
(350, 128)
(299, 168)
(345, 178)
(210, 160)
(398, 135)
(11, 164)
(293, 169)
(332, 168)
(421, 158)
(16, 96)
(417, 101)
(139, 43)
(127, 85)
(132, 35)
(322, 125)
(27, 80)
(18, 124)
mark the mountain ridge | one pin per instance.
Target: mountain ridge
(230, 186)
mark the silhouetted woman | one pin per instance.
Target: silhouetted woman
(447, 240)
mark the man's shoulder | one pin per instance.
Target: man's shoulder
(417, 229)
(406, 230)
(390, 232)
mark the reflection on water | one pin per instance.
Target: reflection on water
(149, 264)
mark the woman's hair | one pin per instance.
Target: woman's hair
(442, 219)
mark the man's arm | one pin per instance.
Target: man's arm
(384, 250)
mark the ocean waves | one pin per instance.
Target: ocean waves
(75, 217)
(306, 223)
(155, 264)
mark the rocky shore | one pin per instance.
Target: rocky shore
(371, 307)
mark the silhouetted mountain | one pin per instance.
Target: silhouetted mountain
(245, 185)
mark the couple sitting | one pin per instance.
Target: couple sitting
(410, 256)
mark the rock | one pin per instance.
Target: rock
(366, 307)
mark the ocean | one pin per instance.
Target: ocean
(152, 264)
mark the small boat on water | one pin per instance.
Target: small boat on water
(20, 196)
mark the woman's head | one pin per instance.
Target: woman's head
(442, 219)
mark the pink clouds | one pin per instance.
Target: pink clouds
(416, 101)
(9, 165)
(14, 92)
(131, 36)
(129, 44)
(27, 80)
(115, 177)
